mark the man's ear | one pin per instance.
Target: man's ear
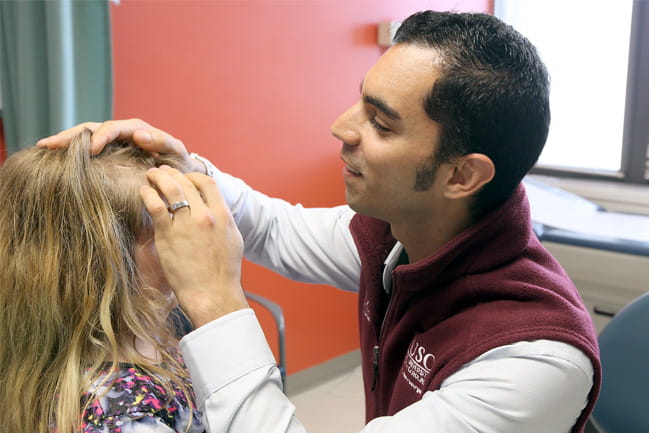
(469, 173)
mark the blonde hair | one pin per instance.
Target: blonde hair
(71, 298)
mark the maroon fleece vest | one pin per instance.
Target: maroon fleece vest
(492, 285)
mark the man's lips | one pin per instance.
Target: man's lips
(351, 173)
(350, 169)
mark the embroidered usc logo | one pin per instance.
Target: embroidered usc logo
(418, 354)
(417, 366)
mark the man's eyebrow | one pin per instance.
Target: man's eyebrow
(382, 106)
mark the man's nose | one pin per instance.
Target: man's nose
(345, 128)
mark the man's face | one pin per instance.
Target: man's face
(388, 137)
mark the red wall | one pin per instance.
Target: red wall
(254, 85)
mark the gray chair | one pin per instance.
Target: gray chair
(183, 326)
(278, 316)
(623, 404)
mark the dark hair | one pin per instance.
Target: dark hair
(492, 96)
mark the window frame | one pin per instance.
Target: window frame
(635, 141)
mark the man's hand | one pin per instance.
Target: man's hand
(151, 139)
(199, 246)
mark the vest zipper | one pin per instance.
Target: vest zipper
(376, 367)
(386, 319)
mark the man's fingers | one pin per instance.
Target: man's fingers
(64, 137)
(156, 207)
(102, 133)
(156, 141)
(200, 249)
(190, 193)
(170, 189)
(112, 130)
(151, 139)
(208, 189)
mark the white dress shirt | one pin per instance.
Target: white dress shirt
(527, 387)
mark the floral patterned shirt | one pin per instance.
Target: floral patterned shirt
(136, 403)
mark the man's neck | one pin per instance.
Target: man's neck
(423, 237)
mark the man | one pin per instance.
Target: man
(467, 324)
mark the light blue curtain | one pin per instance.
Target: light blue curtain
(55, 66)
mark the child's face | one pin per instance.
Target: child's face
(148, 264)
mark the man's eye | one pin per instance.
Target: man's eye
(378, 126)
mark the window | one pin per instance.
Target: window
(596, 54)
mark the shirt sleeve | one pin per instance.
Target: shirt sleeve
(312, 245)
(533, 387)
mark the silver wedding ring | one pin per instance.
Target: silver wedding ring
(177, 205)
